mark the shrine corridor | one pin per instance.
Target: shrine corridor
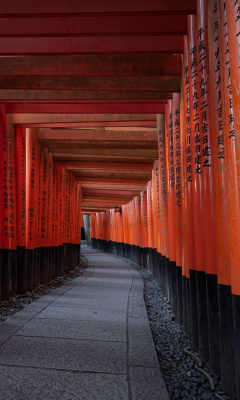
(120, 120)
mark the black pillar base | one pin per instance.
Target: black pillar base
(12, 266)
(213, 324)
(202, 314)
(193, 308)
(236, 324)
(5, 281)
(226, 335)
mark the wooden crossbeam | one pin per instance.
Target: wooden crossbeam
(96, 135)
(46, 118)
(26, 7)
(91, 65)
(96, 25)
(126, 83)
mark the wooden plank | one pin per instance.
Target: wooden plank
(96, 135)
(95, 145)
(99, 124)
(87, 96)
(97, 157)
(67, 118)
(113, 152)
(91, 65)
(119, 166)
(86, 45)
(126, 83)
(100, 24)
(113, 182)
(115, 108)
(95, 6)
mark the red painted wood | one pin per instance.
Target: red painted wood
(96, 25)
(91, 65)
(21, 184)
(96, 6)
(92, 45)
(85, 108)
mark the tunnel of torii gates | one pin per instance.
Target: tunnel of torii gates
(134, 105)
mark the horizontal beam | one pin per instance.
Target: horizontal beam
(108, 191)
(91, 65)
(112, 108)
(145, 153)
(88, 145)
(103, 203)
(96, 25)
(127, 83)
(60, 156)
(112, 186)
(88, 44)
(99, 124)
(96, 135)
(113, 182)
(14, 7)
(67, 118)
(87, 96)
(119, 166)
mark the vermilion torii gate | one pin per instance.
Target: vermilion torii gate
(134, 104)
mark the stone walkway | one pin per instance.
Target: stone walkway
(89, 339)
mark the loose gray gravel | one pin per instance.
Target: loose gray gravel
(183, 381)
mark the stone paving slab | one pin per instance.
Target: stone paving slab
(83, 314)
(66, 354)
(40, 384)
(85, 330)
(89, 339)
(147, 384)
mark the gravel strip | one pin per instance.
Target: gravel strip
(18, 302)
(183, 381)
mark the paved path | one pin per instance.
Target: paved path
(89, 339)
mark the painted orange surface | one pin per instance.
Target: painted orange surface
(21, 184)
(163, 186)
(31, 181)
(196, 146)
(177, 176)
(170, 181)
(233, 146)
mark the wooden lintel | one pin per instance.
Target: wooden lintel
(114, 83)
(24, 118)
(96, 135)
(91, 65)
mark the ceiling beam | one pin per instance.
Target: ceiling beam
(107, 24)
(7, 95)
(88, 45)
(126, 83)
(96, 135)
(112, 108)
(47, 118)
(14, 7)
(91, 65)
(113, 166)
(99, 124)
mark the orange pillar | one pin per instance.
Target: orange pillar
(188, 171)
(232, 130)
(177, 150)
(31, 206)
(21, 205)
(163, 205)
(4, 212)
(196, 156)
(222, 363)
